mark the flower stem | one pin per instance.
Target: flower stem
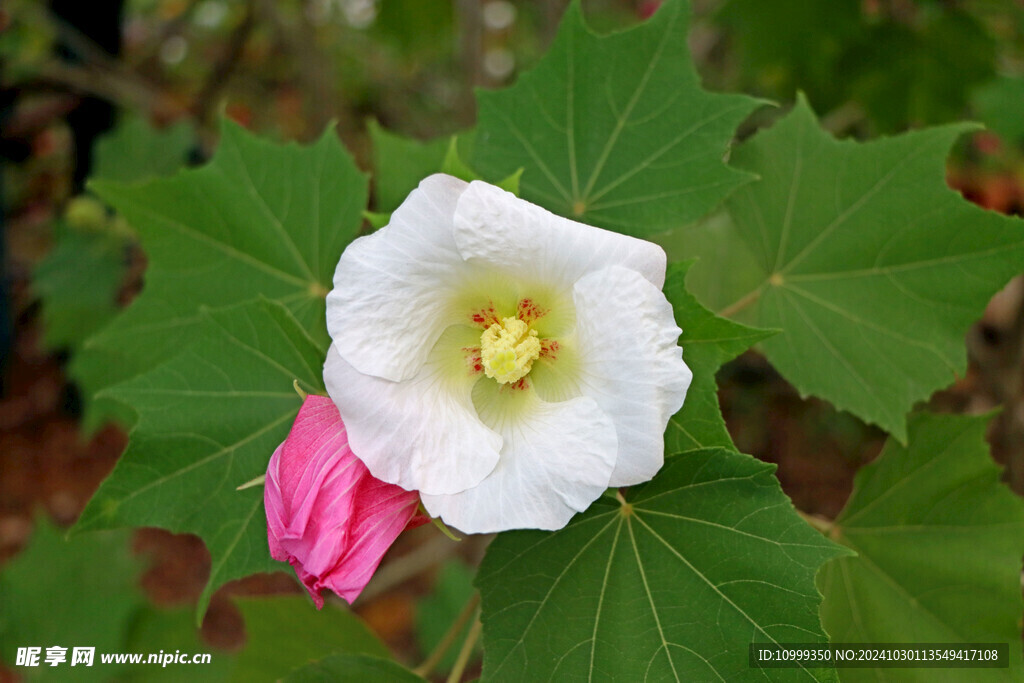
(434, 658)
(444, 529)
(467, 650)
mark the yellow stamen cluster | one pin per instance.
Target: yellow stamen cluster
(508, 350)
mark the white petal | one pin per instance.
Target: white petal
(422, 434)
(496, 227)
(556, 461)
(393, 289)
(631, 364)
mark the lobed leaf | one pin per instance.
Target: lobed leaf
(259, 220)
(708, 342)
(870, 265)
(938, 541)
(208, 421)
(77, 593)
(400, 163)
(673, 583)
(135, 150)
(284, 632)
(615, 131)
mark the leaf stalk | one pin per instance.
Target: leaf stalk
(466, 653)
(434, 658)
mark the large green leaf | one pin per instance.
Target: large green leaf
(285, 631)
(724, 269)
(135, 150)
(154, 629)
(615, 131)
(282, 632)
(938, 541)
(400, 163)
(345, 668)
(870, 265)
(77, 593)
(672, 584)
(209, 420)
(259, 220)
(708, 341)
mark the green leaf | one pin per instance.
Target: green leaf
(154, 629)
(708, 342)
(512, 182)
(135, 150)
(399, 164)
(94, 368)
(209, 420)
(615, 131)
(77, 593)
(1000, 106)
(436, 612)
(938, 541)
(377, 220)
(713, 242)
(453, 164)
(703, 560)
(353, 669)
(284, 632)
(78, 283)
(259, 219)
(870, 265)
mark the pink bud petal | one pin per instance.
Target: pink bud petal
(326, 514)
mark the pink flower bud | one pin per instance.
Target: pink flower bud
(326, 514)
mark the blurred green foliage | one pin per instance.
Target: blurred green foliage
(877, 66)
(78, 283)
(84, 592)
(437, 612)
(78, 593)
(1000, 104)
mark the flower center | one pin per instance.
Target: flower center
(508, 349)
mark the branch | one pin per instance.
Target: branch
(218, 76)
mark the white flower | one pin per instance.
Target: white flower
(507, 363)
